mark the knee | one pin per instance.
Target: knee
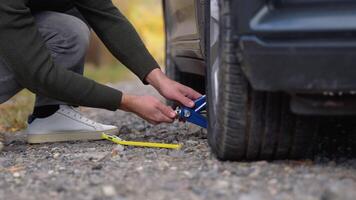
(77, 36)
(66, 36)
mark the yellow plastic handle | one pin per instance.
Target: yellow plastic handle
(117, 140)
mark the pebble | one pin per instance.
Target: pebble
(97, 167)
(117, 150)
(273, 191)
(176, 153)
(188, 174)
(261, 163)
(221, 184)
(62, 168)
(91, 149)
(254, 196)
(140, 168)
(109, 190)
(192, 142)
(16, 175)
(56, 155)
(173, 168)
(95, 180)
(226, 173)
(19, 160)
(55, 149)
(1, 146)
(273, 181)
(163, 164)
(256, 172)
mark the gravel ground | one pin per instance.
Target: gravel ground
(103, 170)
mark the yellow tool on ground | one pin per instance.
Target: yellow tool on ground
(118, 140)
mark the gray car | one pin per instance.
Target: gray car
(271, 70)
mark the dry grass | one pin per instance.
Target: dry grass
(14, 113)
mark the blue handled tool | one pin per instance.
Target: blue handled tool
(194, 115)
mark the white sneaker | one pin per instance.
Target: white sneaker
(67, 124)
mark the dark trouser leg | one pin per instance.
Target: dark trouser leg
(67, 38)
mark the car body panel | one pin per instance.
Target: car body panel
(305, 19)
(185, 34)
(285, 45)
(299, 46)
(182, 20)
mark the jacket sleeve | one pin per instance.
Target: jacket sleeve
(24, 51)
(118, 35)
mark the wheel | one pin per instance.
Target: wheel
(245, 124)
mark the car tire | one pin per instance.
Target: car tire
(245, 124)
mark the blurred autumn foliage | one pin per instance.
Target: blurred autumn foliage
(147, 18)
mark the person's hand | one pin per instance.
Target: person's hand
(148, 108)
(172, 90)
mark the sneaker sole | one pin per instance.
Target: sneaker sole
(66, 137)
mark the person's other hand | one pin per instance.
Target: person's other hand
(172, 90)
(148, 108)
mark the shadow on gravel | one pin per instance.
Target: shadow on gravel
(336, 140)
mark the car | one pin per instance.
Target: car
(271, 69)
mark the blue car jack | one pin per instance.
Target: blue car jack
(194, 115)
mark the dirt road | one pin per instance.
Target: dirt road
(102, 170)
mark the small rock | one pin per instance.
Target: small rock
(62, 168)
(117, 150)
(56, 155)
(55, 149)
(163, 164)
(254, 196)
(192, 142)
(288, 169)
(97, 167)
(109, 190)
(91, 149)
(170, 138)
(95, 180)
(176, 154)
(221, 184)
(273, 181)
(173, 168)
(1, 146)
(226, 173)
(273, 191)
(256, 172)
(18, 160)
(16, 175)
(261, 163)
(61, 189)
(18, 181)
(140, 168)
(188, 174)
